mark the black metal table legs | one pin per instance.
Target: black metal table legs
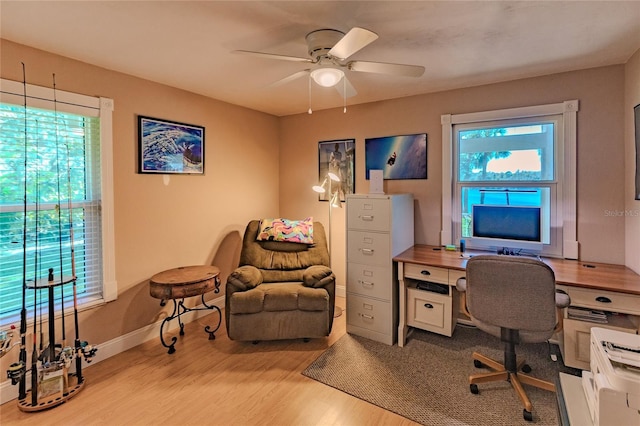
(179, 308)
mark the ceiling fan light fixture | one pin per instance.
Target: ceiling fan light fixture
(327, 77)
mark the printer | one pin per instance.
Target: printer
(612, 388)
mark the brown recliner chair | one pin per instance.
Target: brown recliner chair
(281, 290)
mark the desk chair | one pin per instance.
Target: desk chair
(513, 298)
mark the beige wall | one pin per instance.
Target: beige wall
(258, 165)
(164, 222)
(601, 149)
(632, 206)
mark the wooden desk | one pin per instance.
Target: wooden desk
(612, 288)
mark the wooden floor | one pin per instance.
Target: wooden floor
(210, 382)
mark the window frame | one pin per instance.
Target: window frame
(552, 229)
(12, 92)
(565, 164)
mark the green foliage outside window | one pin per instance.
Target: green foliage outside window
(56, 176)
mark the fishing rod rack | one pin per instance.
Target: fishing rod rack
(54, 382)
(55, 369)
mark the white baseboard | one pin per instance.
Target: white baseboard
(115, 346)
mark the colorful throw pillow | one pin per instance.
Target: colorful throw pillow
(293, 231)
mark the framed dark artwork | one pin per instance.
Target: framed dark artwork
(399, 157)
(169, 147)
(337, 157)
(636, 113)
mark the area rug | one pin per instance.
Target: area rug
(427, 380)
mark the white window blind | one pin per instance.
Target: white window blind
(63, 184)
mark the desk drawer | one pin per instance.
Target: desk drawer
(369, 214)
(370, 314)
(368, 248)
(430, 311)
(577, 339)
(603, 300)
(370, 280)
(426, 273)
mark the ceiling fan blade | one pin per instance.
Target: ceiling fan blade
(354, 40)
(346, 84)
(385, 68)
(273, 56)
(292, 77)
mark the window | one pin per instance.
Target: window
(68, 164)
(517, 157)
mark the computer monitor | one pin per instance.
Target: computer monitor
(506, 227)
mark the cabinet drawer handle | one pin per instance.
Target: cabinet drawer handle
(366, 284)
(367, 251)
(603, 299)
(425, 272)
(428, 305)
(368, 218)
(365, 316)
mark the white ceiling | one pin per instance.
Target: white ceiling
(189, 44)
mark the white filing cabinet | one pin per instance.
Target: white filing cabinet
(378, 228)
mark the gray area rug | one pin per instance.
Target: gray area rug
(427, 380)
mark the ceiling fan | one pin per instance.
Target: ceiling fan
(329, 51)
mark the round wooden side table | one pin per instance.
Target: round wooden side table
(179, 283)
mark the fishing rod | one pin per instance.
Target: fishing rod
(22, 359)
(77, 345)
(41, 341)
(34, 353)
(59, 208)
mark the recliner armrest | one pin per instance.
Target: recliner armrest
(245, 278)
(317, 276)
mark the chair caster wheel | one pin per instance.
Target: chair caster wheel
(474, 389)
(527, 415)
(526, 368)
(477, 364)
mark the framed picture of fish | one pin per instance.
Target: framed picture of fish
(399, 157)
(169, 147)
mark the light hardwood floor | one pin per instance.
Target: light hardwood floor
(210, 382)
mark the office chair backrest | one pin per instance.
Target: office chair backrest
(511, 292)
